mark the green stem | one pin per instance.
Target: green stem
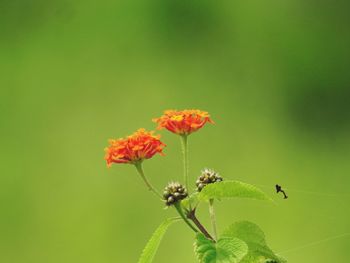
(139, 168)
(181, 213)
(184, 144)
(212, 218)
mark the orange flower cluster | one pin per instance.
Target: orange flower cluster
(183, 122)
(144, 145)
(135, 148)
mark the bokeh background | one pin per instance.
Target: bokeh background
(273, 75)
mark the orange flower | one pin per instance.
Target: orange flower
(183, 122)
(133, 149)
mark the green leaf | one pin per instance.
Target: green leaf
(230, 189)
(193, 198)
(254, 237)
(225, 250)
(151, 248)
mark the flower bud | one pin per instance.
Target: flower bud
(173, 193)
(208, 176)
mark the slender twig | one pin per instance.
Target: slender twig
(212, 218)
(184, 144)
(181, 213)
(139, 168)
(192, 215)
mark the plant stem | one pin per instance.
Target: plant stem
(191, 215)
(181, 213)
(139, 168)
(212, 218)
(184, 144)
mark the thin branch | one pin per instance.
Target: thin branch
(181, 213)
(192, 215)
(184, 144)
(212, 218)
(150, 187)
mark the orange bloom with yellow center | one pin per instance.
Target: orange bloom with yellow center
(134, 148)
(183, 122)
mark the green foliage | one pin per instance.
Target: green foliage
(151, 248)
(254, 237)
(193, 198)
(225, 250)
(230, 189)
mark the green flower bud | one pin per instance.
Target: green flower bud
(173, 193)
(170, 199)
(208, 176)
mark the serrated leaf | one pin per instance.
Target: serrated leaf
(254, 237)
(152, 245)
(225, 250)
(231, 189)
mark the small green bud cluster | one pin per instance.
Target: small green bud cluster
(208, 176)
(173, 193)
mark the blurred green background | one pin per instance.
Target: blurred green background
(273, 75)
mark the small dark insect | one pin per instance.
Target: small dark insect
(279, 189)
